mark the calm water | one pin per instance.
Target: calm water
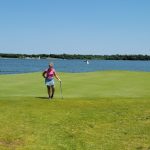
(13, 66)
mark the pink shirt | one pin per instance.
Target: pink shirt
(50, 73)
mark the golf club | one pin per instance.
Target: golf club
(61, 90)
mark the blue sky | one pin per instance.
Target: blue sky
(75, 26)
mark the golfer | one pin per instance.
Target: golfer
(49, 74)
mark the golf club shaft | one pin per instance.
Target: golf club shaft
(61, 90)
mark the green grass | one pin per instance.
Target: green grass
(108, 110)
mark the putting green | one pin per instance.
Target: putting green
(102, 110)
(107, 84)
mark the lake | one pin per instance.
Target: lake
(14, 66)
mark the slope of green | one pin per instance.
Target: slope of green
(107, 110)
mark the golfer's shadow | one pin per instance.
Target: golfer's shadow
(42, 97)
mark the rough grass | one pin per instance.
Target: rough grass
(100, 111)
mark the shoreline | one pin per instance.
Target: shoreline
(36, 72)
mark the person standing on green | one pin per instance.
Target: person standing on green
(49, 75)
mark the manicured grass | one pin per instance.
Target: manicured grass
(107, 110)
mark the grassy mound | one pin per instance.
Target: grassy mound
(100, 110)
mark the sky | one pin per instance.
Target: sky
(75, 26)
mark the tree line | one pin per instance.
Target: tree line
(77, 56)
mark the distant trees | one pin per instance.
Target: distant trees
(77, 56)
(101, 57)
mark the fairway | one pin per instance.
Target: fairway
(104, 110)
